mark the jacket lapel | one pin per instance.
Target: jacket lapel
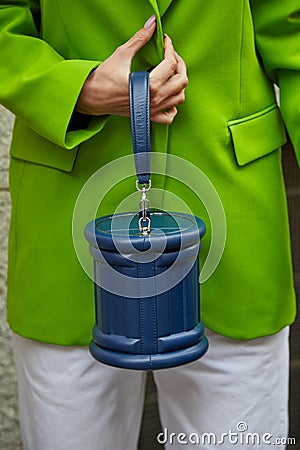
(163, 5)
(160, 6)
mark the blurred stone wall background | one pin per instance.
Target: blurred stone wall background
(9, 427)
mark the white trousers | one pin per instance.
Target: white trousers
(235, 397)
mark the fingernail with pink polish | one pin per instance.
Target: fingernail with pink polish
(150, 21)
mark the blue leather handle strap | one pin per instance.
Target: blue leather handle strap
(139, 95)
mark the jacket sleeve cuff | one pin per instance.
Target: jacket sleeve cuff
(63, 125)
(52, 97)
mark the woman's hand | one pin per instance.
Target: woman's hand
(106, 88)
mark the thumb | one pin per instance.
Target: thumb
(140, 38)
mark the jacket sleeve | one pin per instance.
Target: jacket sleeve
(277, 34)
(36, 83)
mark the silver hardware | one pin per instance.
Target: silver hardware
(144, 189)
(144, 205)
(144, 229)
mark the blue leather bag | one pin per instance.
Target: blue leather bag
(146, 271)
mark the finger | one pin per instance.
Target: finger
(166, 68)
(139, 39)
(169, 103)
(162, 72)
(181, 66)
(171, 93)
(164, 117)
(174, 86)
(169, 49)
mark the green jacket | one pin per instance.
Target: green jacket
(229, 126)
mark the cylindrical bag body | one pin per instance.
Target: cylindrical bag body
(147, 292)
(146, 278)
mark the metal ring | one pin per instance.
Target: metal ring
(147, 228)
(144, 189)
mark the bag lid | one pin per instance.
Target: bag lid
(121, 232)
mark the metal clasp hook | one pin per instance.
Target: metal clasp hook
(144, 221)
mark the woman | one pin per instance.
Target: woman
(64, 73)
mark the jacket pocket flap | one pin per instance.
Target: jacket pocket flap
(30, 146)
(257, 135)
